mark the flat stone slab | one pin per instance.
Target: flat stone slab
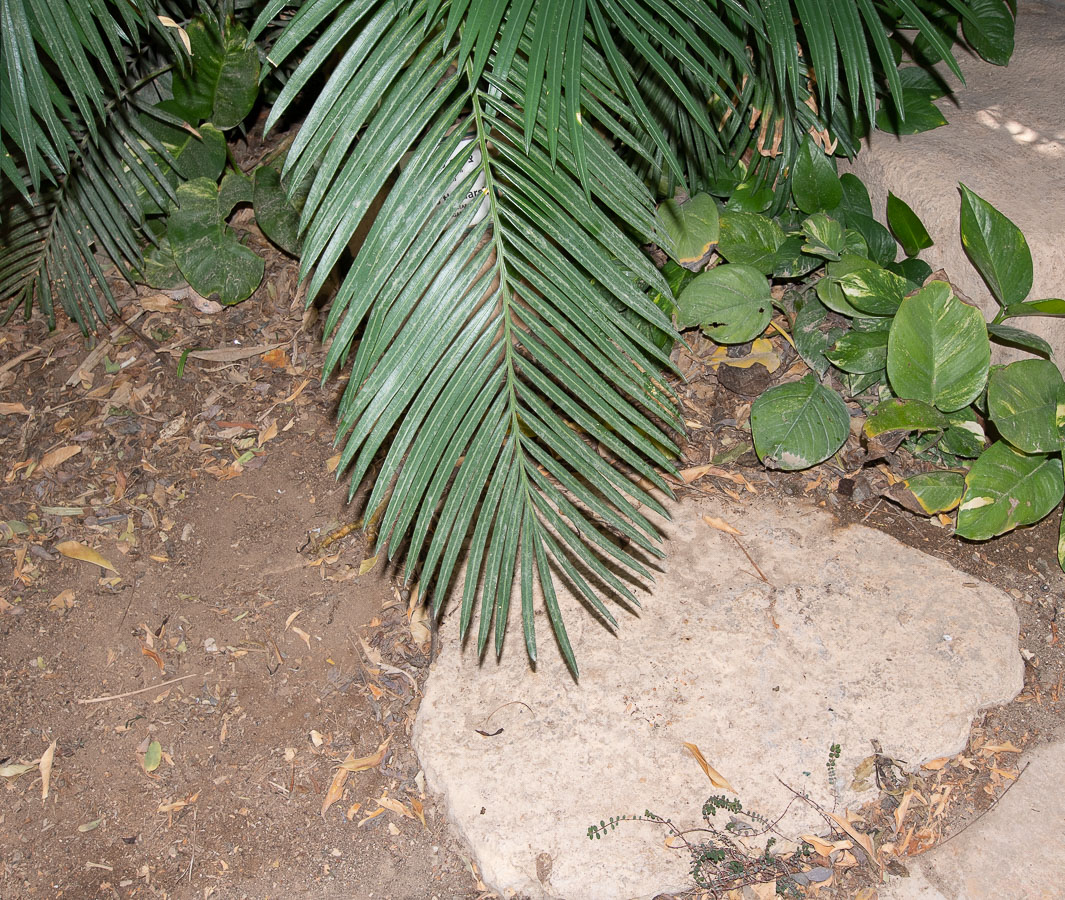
(1006, 141)
(1017, 850)
(854, 638)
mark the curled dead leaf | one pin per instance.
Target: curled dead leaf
(45, 765)
(716, 778)
(350, 764)
(721, 525)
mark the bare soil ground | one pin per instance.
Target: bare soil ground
(194, 687)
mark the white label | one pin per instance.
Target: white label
(473, 160)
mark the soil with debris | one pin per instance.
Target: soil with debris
(208, 689)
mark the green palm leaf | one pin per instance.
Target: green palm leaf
(491, 345)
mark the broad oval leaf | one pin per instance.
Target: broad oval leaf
(906, 226)
(915, 271)
(224, 79)
(274, 212)
(731, 303)
(997, 249)
(791, 262)
(1006, 488)
(206, 250)
(904, 415)
(798, 425)
(812, 337)
(825, 236)
(1022, 402)
(828, 289)
(749, 198)
(855, 196)
(692, 229)
(938, 350)
(874, 290)
(965, 436)
(989, 29)
(936, 492)
(921, 114)
(814, 183)
(751, 239)
(880, 245)
(859, 352)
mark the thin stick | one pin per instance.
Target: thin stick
(761, 574)
(151, 687)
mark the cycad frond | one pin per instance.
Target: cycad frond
(73, 147)
(492, 340)
(49, 241)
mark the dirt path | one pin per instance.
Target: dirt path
(251, 659)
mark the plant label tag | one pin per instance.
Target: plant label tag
(473, 160)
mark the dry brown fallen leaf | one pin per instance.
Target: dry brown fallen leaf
(721, 525)
(350, 764)
(13, 409)
(228, 354)
(419, 810)
(60, 455)
(302, 634)
(13, 770)
(934, 765)
(158, 303)
(74, 550)
(395, 806)
(1000, 748)
(716, 778)
(336, 789)
(863, 840)
(45, 765)
(62, 600)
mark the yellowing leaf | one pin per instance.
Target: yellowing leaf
(60, 455)
(716, 779)
(153, 756)
(367, 564)
(45, 765)
(74, 550)
(89, 826)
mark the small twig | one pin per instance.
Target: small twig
(151, 687)
(22, 357)
(761, 574)
(873, 510)
(993, 804)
